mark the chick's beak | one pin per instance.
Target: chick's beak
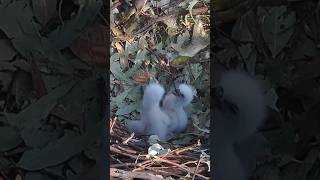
(221, 103)
(178, 93)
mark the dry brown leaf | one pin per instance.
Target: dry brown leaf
(119, 47)
(91, 45)
(119, 35)
(141, 77)
(44, 10)
(139, 4)
(117, 32)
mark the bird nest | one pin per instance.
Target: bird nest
(129, 158)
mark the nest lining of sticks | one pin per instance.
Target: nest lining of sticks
(129, 158)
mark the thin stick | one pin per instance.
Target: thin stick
(113, 123)
(195, 171)
(130, 175)
(127, 140)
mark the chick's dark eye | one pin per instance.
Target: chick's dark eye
(218, 92)
(232, 107)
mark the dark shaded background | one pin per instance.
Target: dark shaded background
(277, 41)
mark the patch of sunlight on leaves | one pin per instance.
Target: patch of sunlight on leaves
(200, 40)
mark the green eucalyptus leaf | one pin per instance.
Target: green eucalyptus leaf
(9, 138)
(64, 35)
(59, 151)
(33, 114)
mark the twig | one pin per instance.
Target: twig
(177, 163)
(125, 149)
(128, 139)
(172, 163)
(192, 162)
(178, 151)
(166, 172)
(195, 171)
(115, 5)
(121, 165)
(169, 171)
(113, 149)
(136, 161)
(174, 156)
(179, 166)
(145, 163)
(130, 175)
(59, 10)
(113, 123)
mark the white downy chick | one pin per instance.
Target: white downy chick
(153, 119)
(174, 104)
(240, 110)
(243, 105)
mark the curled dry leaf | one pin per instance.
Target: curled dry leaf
(91, 45)
(141, 76)
(116, 31)
(119, 47)
(139, 4)
(200, 10)
(44, 10)
(199, 41)
(172, 27)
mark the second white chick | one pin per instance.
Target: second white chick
(243, 107)
(239, 113)
(154, 121)
(174, 104)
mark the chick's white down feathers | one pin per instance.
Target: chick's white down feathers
(153, 119)
(239, 117)
(174, 104)
(187, 93)
(166, 119)
(245, 93)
